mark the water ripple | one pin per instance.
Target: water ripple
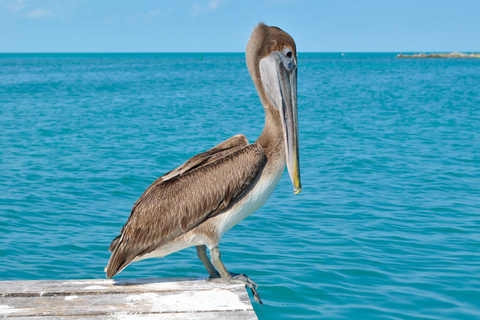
(386, 227)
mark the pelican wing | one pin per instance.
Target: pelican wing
(226, 147)
(180, 200)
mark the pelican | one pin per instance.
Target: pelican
(196, 203)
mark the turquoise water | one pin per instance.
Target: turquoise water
(387, 225)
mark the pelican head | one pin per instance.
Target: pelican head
(272, 62)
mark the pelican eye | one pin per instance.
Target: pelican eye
(288, 59)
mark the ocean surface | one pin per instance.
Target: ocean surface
(387, 225)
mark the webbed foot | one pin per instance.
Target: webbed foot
(242, 279)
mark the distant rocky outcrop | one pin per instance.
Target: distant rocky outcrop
(440, 55)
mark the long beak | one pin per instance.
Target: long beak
(279, 78)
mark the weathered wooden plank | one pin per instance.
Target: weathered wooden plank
(240, 315)
(124, 299)
(49, 287)
(106, 304)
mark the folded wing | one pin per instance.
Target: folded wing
(180, 200)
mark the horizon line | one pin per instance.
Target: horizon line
(216, 52)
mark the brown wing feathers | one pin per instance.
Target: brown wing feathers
(228, 146)
(201, 188)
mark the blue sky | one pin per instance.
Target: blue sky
(225, 25)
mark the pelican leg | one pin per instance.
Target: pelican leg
(233, 277)
(202, 255)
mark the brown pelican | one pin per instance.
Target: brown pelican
(196, 203)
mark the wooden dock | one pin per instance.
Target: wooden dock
(179, 298)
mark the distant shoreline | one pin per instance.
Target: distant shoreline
(440, 55)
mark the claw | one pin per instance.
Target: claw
(256, 297)
(242, 278)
